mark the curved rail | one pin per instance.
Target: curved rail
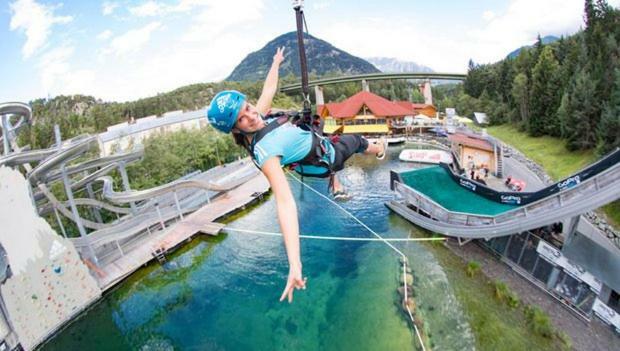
(90, 164)
(63, 155)
(16, 108)
(48, 208)
(231, 181)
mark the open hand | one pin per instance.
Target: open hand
(294, 281)
(279, 56)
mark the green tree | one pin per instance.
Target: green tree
(545, 95)
(579, 123)
(521, 96)
(609, 128)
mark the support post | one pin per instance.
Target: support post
(94, 210)
(176, 201)
(5, 134)
(62, 227)
(126, 186)
(318, 94)
(161, 220)
(365, 85)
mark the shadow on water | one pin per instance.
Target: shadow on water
(222, 294)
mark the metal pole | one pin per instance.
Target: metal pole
(161, 220)
(62, 227)
(299, 17)
(5, 133)
(126, 186)
(74, 210)
(94, 210)
(176, 201)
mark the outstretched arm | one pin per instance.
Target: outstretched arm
(270, 88)
(287, 216)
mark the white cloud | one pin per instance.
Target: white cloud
(36, 20)
(521, 23)
(217, 17)
(321, 5)
(152, 8)
(107, 8)
(149, 8)
(488, 15)
(58, 77)
(106, 34)
(133, 40)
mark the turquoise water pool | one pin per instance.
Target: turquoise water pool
(222, 293)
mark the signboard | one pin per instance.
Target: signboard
(524, 198)
(556, 257)
(450, 112)
(607, 314)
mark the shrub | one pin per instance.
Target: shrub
(539, 321)
(472, 268)
(503, 293)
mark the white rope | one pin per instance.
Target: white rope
(380, 238)
(319, 237)
(350, 214)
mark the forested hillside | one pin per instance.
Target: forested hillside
(569, 88)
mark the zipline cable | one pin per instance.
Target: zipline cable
(379, 237)
(307, 113)
(336, 238)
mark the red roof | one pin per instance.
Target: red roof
(469, 140)
(377, 105)
(412, 106)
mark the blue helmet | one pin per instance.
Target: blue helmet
(224, 109)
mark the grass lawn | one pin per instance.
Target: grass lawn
(552, 155)
(495, 325)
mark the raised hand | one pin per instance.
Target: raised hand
(294, 281)
(279, 56)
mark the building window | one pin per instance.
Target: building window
(542, 270)
(528, 258)
(575, 291)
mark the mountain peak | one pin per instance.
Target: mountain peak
(392, 65)
(322, 57)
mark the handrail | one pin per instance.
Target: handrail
(613, 172)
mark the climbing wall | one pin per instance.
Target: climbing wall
(49, 284)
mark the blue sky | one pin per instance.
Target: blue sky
(124, 50)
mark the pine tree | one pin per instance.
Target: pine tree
(609, 127)
(546, 93)
(520, 93)
(580, 121)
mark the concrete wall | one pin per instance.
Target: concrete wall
(49, 283)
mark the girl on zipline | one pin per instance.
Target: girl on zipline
(273, 142)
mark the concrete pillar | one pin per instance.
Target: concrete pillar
(318, 93)
(427, 92)
(365, 86)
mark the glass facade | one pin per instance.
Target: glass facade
(521, 249)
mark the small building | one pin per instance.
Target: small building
(481, 118)
(363, 113)
(125, 136)
(472, 149)
(417, 109)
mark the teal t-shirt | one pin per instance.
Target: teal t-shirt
(289, 142)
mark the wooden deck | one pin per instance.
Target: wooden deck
(201, 221)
